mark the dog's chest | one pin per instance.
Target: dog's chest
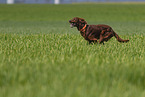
(83, 34)
(86, 37)
(90, 33)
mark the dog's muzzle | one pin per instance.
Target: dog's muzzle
(71, 25)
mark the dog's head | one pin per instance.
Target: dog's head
(75, 22)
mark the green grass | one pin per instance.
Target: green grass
(41, 56)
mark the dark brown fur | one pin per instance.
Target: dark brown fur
(92, 33)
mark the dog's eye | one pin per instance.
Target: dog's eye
(75, 20)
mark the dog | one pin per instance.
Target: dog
(93, 33)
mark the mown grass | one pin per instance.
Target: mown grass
(41, 56)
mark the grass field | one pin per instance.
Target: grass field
(41, 56)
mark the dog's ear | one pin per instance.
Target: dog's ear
(82, 21)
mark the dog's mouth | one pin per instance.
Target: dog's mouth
(71, 25)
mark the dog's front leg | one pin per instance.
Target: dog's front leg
(91, 41)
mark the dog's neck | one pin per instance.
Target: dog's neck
(80, 27)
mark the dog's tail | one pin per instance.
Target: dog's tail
(119, 39)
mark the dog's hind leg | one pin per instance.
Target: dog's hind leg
(101, 40)
(108, 36)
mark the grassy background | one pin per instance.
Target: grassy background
(41, 56)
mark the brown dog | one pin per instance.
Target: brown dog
(92, 33)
